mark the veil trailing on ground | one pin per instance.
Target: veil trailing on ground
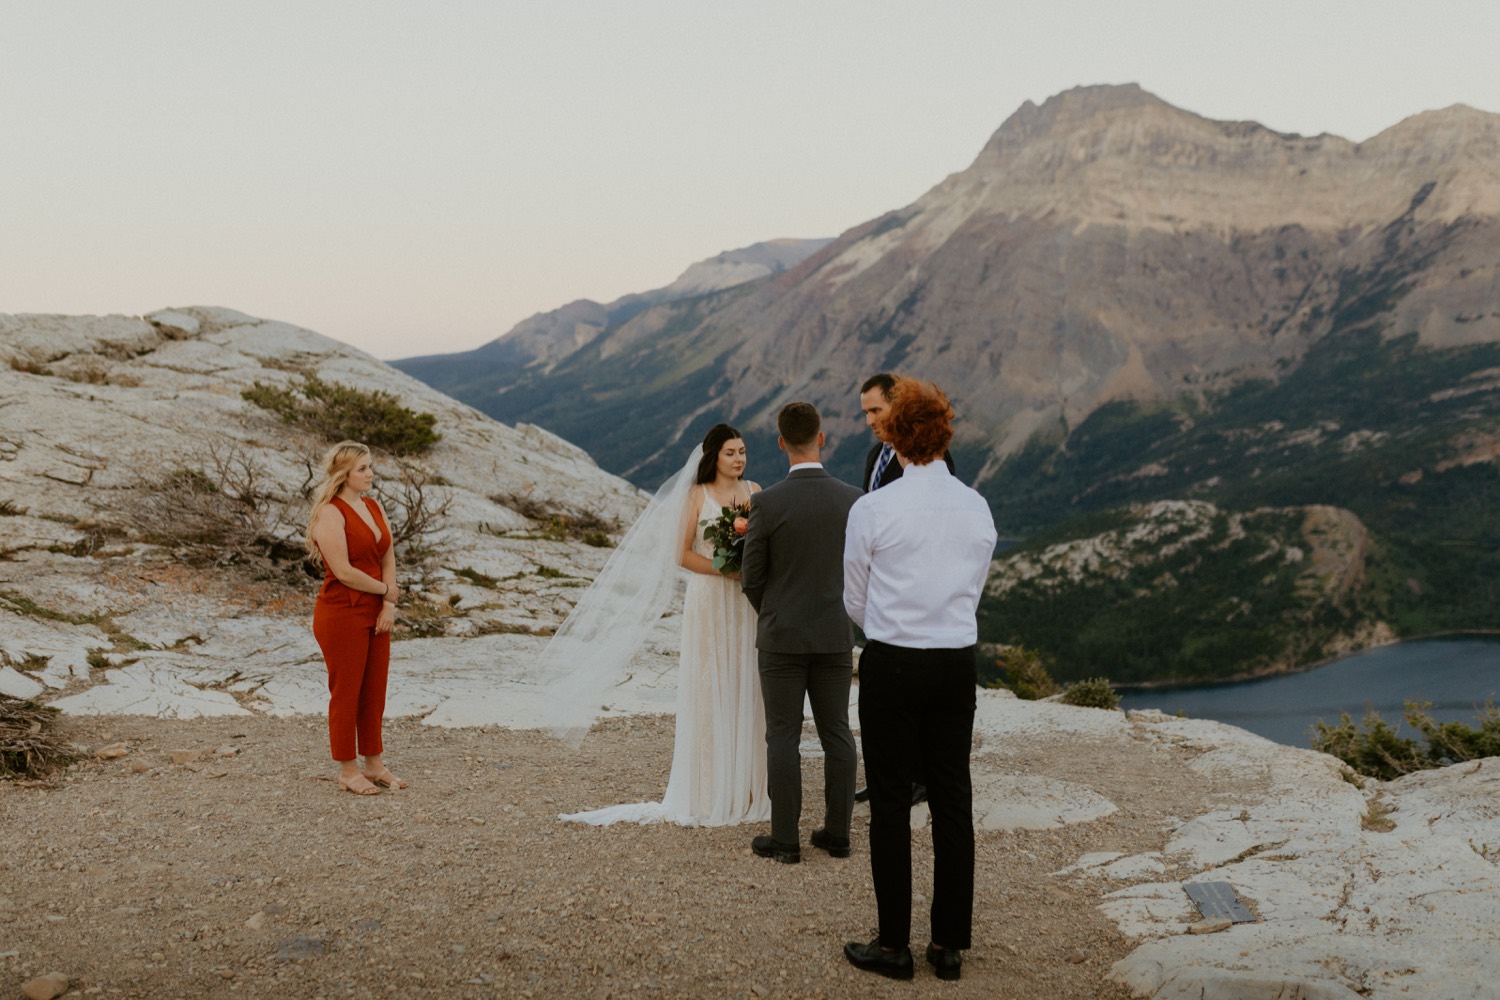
(591, 651)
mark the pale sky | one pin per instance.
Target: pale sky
(417, 177)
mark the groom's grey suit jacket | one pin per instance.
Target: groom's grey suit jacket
(793, 565)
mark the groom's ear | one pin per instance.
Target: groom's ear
(820, 440)
(781, 442)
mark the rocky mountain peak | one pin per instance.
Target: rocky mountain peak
(1457, 124)
(1119, 156)
(1457, 148)
(1080, 107)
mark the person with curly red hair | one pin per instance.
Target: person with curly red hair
(916, 554)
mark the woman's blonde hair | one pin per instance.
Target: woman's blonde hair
(338, 462)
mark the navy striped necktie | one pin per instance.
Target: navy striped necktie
(886, 451)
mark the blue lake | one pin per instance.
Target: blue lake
(1457, 675)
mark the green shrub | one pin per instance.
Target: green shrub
(1021, 671)
(1095, 692)
(1376, 749)
(559, 523)
(338, 412)
(477, 578)
(1380, 751)
(1455, 741)
(420, 618)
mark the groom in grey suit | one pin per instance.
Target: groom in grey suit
(793, 573)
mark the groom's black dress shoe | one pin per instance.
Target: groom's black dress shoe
(946, 962)
(872, 958)
(769, 847)
(837, 847)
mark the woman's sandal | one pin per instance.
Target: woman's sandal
(385, 779)
(352, 785)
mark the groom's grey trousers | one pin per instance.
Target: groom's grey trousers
(824, 678)
(793, 574)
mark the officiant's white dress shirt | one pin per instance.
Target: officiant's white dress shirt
(916, 554)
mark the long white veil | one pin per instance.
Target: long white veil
(591, 651)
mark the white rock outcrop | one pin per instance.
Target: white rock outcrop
(92, 406)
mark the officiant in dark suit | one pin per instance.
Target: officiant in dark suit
(916, 554)
(792, 572)
(881, 467)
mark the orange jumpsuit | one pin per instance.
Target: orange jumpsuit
(358, 659)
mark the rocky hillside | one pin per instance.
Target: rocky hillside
(1181, 590)
(151, 517)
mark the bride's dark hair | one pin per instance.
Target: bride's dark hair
(708, 465)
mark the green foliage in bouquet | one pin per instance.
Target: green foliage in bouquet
(727, 533)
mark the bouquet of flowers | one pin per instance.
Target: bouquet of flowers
(727, 532)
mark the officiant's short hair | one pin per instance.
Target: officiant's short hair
(919, 421)
(798, 423)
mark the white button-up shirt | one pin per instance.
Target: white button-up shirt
(916, 554)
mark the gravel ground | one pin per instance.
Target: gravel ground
(248, 873)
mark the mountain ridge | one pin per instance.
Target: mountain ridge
(544, 337)
(891, 291)
(1115, 285)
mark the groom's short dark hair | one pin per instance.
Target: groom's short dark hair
(798, 423)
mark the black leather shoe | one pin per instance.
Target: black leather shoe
(837, 847)
(863, 795)
(769, 847)
(946, 962)
(873, 958)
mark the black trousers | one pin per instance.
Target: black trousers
(916, 716)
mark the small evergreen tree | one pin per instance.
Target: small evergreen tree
(338, 412)
(1022, 671)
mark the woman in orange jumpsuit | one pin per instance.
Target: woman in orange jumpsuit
(347, 532)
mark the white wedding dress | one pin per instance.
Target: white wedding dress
(719, 757)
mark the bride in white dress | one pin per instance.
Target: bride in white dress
(718, 773)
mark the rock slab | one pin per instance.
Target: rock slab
(46, 987)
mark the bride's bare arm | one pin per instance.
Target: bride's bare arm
(690, 532)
